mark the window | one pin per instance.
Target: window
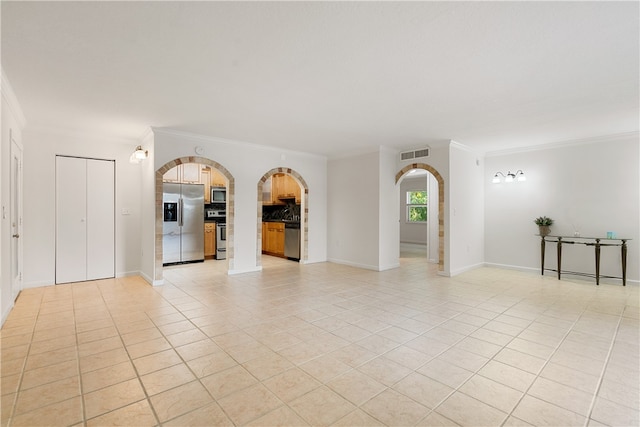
(416, 206)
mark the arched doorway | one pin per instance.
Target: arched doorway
(304, 211)
(230, 204)
(440, 181)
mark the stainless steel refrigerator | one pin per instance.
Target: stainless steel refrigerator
(183, 223)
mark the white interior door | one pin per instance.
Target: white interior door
(16, 218)
(71, 219)
(100, 219)
(85, 219)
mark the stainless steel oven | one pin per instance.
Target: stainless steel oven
(221, 241)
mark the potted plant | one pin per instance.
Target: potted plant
(544, 223)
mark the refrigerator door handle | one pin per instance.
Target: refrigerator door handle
(180, 210)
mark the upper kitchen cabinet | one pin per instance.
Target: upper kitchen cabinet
(217, 179)
(193, 173)
(211, 178)
(205, 178)
(187, 173)
(284, 189)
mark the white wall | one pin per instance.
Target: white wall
(590, 185)
(354, 209)
(148, 209)
(248, 163)
(12, 122)
(40, 149)
(434, 219)
(466, 208)
(389, 249)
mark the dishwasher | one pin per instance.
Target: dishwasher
(292, 240)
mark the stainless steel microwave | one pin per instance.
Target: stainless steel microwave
(218, 194)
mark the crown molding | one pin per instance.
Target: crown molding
(460, 146)
(9, 95)
(148, 132)
(235, 143)
(566, 143)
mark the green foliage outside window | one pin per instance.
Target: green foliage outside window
(416, 206)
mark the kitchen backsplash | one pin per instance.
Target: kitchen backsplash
(290, 212)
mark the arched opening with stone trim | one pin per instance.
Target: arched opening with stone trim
(304, 211)
(440, 181)
(230, 207)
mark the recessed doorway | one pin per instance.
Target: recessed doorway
(282, 216)
(210, 175)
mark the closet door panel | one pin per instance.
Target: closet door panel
(100, 219)
(71, 219)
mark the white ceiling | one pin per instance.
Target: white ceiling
(329, 77)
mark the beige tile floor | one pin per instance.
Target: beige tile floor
(323, 344)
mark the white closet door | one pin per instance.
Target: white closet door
(85, 219)
(71, 219)
(100, 219)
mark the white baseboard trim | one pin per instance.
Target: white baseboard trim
(149, 280)
(512, 267)
(353, 264)
(389, 267)
(6, 313)
(363, 266)
(244, 270)
(128, 274)
(467, 268)
(312, 261)
(536, 271)
(40, 284)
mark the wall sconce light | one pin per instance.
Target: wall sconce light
(509, 177)
(138, 155)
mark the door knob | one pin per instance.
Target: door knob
(17, 236)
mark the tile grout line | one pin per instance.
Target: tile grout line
(431, 410)
(83, 406)
(544, 365)
(24, 365)
(602, 372)
(198, 379)
(124, 346)
(476, 372)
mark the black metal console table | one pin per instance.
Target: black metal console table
(596, 242)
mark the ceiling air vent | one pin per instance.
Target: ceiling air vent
(414, 154)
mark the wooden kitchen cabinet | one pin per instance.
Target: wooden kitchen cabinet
(291, 188)
(264, 236)
(188, 173)
(172, 175)
(209, 240)
(191, 173)
(277, 186)
(284, 188)
(217, 179)
(273, 238)
(205, 178)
